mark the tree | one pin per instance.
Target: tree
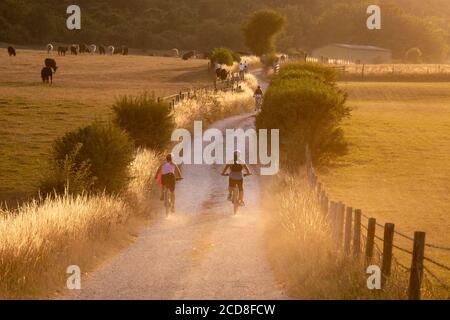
(261, 30)
(223, 56)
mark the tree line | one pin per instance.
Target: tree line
(205, 24)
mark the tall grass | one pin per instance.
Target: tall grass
(40, 239)
(212, 106)
(304, 256)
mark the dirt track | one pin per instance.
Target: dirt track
(201, 252)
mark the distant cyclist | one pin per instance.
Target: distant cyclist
(168, 173)
(236, 176)
(258, 98)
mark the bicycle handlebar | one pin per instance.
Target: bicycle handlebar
(245, 175)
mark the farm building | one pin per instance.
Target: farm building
(354, 53)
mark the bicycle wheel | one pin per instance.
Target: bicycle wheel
(167, 202)
(235, 200)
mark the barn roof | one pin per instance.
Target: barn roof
(360, 47)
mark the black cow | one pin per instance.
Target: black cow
(47, 75)
(51, 63)
(83, 48)
(62, 51)
(101, 50)
(74, 49)
(11, 51)
(224, 74)
(124, 51)
(188, 55)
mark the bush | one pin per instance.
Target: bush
(414, 55)
(95, 158)
(66, 175)
(223, 56)
(148, 122)
(307, 110)
(329, 75)
(269, 60)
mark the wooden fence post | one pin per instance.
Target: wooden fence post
(325, 205)
(415, 278)
(348, 230)
(340, 223)
(370, 244)
(388, 241)
(332, 218)
(357, 233)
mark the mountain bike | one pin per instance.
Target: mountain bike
(168, 200)
(258, 103)
(235, 193)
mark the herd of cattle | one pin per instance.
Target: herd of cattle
(50, 64)
(76, 49)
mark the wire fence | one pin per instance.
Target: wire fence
(346, 225)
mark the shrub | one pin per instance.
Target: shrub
(223, 56)
(414, 55)
(269, 59)
(96, 157)
(307, 110)
(61, 176)
(329, 75)
(236, 57)
(148, 122)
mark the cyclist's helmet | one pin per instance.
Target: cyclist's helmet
(237, 155)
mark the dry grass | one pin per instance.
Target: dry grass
(305, 258)
(210, 107)
(40, 239)
(398, 72)
(33, 115)
(398, 167)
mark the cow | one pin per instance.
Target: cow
(49, 48)
(11, 51)
(111, 50)
(74, 49)
(224, 74)
(175, 53)
(101, 50)
(124, 50)
(51, 63)
(92, 49)
(83, 48)
(47, 75)
(188, 55)
(62, 51)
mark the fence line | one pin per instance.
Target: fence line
(335, 213)
(174, 99)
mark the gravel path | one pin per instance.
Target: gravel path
(201, 252)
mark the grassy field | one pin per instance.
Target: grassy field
(398, 167)
(33, 115)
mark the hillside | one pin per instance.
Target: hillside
(205, 24)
